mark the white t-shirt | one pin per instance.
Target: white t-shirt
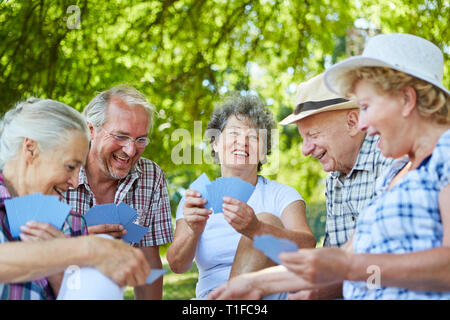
(218, 243)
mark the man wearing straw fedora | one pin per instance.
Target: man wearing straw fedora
(328, 125)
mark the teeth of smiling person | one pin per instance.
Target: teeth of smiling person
(240, 153)
(121, 158)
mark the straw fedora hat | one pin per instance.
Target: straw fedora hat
(312, 98)
(403, 52)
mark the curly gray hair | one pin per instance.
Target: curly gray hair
(249, 108)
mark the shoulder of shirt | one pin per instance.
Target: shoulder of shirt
(444, 140)
(147, 166)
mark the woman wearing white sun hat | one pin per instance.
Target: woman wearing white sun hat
(401, 248)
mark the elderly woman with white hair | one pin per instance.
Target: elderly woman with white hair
(400, 249)
(43, 144)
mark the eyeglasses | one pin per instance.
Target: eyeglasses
(123, 140)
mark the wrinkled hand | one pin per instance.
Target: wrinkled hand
(318, 267)
(240, 216)
(114, 230)
(194, 212)
(125, 265)
(304, 295)
(238, 288)
(36, 231)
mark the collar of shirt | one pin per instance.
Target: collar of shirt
(365, 160)
(124, 184)
(134, 174)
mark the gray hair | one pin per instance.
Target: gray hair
(250, 108)
(95, 111)
(44, 121)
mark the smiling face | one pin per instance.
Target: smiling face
(110, 157)
(381, 114)
(332, 138)
(54, 171)
(239, 146)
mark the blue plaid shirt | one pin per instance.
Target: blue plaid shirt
(347, 195)
(404, 219)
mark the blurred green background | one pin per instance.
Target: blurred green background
(186, 55)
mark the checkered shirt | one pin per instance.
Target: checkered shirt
(145, 190)
(347, 195)
(404, 219)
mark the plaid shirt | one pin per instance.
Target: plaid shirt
(404, 219)
(39, 289)
(145, 190)
(347, 195)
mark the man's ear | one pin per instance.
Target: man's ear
(352, 122)
(409, 100)
(91, 130)
(30, 150)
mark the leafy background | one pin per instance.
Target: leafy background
(186, 55)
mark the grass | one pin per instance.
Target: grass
(175, 286)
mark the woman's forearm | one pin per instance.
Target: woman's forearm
(24, 261)
(427, 270)
(181, 252)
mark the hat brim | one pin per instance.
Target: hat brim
(334, 73)
(292, 118)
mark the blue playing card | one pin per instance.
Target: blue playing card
(126, 213)
(227, 186)
(102, 214)
(272, 246)
(200, 184)
(135, 232)
(154, 275)
(35, 207)
(53, 211)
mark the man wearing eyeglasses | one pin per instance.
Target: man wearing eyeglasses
(120, 120)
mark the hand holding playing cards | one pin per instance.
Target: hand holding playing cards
(240, 216)
(323, 266)
(35, 231)
(114, 230)
(194, 212)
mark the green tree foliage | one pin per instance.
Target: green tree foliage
(186, 54)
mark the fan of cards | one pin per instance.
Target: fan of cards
(35, 207)
(214, 191)
(121, 214)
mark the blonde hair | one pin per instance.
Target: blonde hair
(432, 102)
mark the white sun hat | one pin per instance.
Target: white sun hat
(407, 53)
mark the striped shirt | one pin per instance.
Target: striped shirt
(405, 218)
(347, 195)
(145, 190)
(39, 289)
